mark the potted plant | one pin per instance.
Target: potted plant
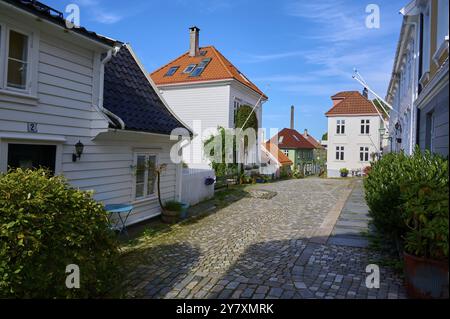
(344, 172)
(171, 211)
(425, 211)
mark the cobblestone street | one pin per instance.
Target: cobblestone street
(261, 248)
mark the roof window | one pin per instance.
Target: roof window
(172, 71)
(201, 67)
(189, 68)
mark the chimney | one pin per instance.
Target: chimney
(292, 117)
(365, 93)
(194, 41)
(305, 134)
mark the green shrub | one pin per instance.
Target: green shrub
(298, 174)
(425, 211)
(344, 171)
(46, 225)
(173, 206)
(391, 184)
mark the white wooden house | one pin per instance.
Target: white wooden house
(60, 87)
(354, 138)
(206, 90)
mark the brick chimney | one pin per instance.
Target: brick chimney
(292, 117)
(194, 49)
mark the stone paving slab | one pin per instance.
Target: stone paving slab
(259, 248)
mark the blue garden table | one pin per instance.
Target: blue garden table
(122, 211)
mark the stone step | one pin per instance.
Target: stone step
(352, 223)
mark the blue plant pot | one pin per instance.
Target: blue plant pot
(184, 210)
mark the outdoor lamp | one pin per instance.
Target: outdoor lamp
(78, 151)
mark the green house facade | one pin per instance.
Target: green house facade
(299, 150)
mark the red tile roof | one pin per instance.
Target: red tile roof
(279, 155)
(291, 139)
(313, 141)
(219, 68)
(352, 103)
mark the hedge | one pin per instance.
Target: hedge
(45, 225)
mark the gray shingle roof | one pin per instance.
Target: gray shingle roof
(129, 95)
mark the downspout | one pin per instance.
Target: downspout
(103, 62)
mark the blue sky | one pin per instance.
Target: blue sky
(299, 52)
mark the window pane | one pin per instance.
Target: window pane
(362, 129)
(151, 175)
(18, 46)
(343, 129)
(337, 155)
(367, 129)
(338, 129)
(17, 74)
(140, 175)
(361, 156)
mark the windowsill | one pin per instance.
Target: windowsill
(145, 200)
(440, 51)
(340, 134)
(31, 99)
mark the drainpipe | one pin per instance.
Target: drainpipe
(103, 62)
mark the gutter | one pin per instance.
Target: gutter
(109, 55)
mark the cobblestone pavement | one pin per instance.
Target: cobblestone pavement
(259, 248)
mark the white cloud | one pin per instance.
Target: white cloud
(98, 13)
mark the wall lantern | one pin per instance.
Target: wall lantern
(78, 151)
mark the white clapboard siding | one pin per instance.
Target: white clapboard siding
(208, 104)
(65, 90)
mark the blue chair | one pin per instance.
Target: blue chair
(122, 212)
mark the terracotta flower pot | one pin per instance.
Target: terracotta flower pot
(169, 217)
(426, 278)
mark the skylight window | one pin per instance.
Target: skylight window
(280, 140)
(172, 71)
(201, 67)
(189, 68)
(296, 138)
(203, 53)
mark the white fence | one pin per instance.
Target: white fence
(193, 188)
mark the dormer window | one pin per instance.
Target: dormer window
(172, 71)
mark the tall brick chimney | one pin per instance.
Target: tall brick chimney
(194, 49)
(292, 117)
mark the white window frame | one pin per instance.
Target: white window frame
(30, 90)
(4, 151)
(365, 152)
(286, 152)
(340, 124)
(341, 150)
(155, 191)
(365, 126)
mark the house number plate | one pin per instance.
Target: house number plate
(32, 127)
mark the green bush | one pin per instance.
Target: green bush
(391, 186)
(298, 174)
(425, 211)
(173, 206)
(46, 225)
